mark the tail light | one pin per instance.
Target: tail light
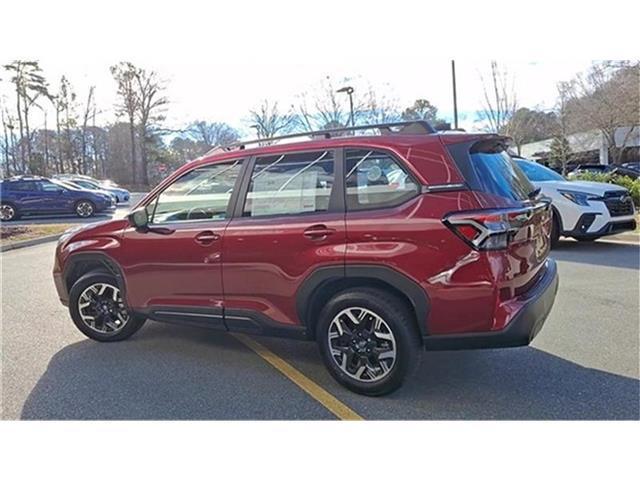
(491, 229)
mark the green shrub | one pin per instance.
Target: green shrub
(630, 184)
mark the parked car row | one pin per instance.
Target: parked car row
(626, 169)
(34, 195)
(121, 195)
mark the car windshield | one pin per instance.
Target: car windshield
(65, 185)
(86, 184)
(498, 174)
(538, 173)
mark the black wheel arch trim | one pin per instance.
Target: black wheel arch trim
(556, 214)
(322, 275)
(109, 263)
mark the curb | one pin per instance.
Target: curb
(28, 243)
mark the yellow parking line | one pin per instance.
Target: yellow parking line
(327, 400)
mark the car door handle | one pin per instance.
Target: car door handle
(207, 237)
(317, 232)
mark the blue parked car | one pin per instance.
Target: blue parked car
(27, 195)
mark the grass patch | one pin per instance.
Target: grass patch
(19, 233)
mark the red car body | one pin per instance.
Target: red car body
(271, 275)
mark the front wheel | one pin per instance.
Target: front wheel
(97, 308)
(368, 340)
(85, 208)
(8, 212)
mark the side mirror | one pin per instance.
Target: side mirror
(139, 218)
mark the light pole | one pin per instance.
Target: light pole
(455, 94)
(349, 91)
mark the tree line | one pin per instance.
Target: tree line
(138, 149)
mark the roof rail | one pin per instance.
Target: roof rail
(417, 127)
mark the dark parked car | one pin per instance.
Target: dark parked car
(374, 246)
(42, 196)
(598, 168)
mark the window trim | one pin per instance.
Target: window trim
(336, 199)
(399, 161)
(230, 204)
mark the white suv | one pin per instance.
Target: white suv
(582, 210)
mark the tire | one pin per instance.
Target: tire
(79, 315)
(397, 320)
(84, 208)
(8, 212)
(555, 230)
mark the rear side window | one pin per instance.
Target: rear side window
(374, 179)
(498, 174)
(20, 186)
(290, 184)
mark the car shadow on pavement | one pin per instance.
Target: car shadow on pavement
(170, 372)
(603, 253)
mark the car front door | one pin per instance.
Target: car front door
(289, 220)
(173, 268)
(53, 197)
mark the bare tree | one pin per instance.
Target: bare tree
(150, 112)
(65, 104)
(422, 109)
(531, 125)
(6, 148)
(378, 108)
(125, 74)
(500, 102)
(88, 109)
(268, 121)
(29, 85)
(606, 98)
(212, 134)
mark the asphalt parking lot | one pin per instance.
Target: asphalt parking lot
(583, 365)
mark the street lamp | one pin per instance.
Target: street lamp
(348, 91)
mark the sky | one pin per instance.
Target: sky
(226, 92)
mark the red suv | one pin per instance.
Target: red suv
(375, 246)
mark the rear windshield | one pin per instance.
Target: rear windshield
(498, 174)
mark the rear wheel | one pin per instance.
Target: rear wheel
(85, 208)
(8, 212)
(98, 310)
(368, 340)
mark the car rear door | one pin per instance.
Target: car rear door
(288, 222)
(173, 268)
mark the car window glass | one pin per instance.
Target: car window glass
(22, 186)
(374, 180)
(290, 184)
(49, 187)
(201, 194)
(538, 173)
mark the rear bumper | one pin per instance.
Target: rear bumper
(522, 328)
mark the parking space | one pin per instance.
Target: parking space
(583, 365)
